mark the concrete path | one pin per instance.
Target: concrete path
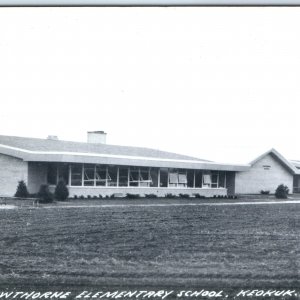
(3, 206)
(172, 204)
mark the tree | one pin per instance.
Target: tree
(22, 191)
(61, 191)
(44, 194)
(282, 191)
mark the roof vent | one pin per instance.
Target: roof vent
(96, 137)
(52, 137)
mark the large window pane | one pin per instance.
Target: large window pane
(100, 175)
(144, 177)
(134, 176)
(214, 179)
(163, 177)
(63, 172)
(89, 175)
(52, 173)
(112, 175)
(123, 176)
(154, 177)
(222, 180)
(206, 179)
(76, 174)
(182, 178)
(198, 178)
(173, 178)
(190, 178)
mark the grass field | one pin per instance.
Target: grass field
(252, 245)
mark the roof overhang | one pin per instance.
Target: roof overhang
(98, 158)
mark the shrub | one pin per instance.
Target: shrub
(81, 197)
(61, 192)
(100, 196)
(22, 191)
(75, 197)
(282, 191)
(265, 192)
(44, 194)
(94, 197)
(132, 196)
(169, 195)
(199, 196)
(186, 196)
(89, 197)
(150, 196)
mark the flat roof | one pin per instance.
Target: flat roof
(49, 150)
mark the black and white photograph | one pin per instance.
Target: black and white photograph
(149, 153)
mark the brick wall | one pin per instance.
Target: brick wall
(12, 170)
(261, 178)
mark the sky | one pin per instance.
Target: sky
(215, 83)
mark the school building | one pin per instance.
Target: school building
(95, 168)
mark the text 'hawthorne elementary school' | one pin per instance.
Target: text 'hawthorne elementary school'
(144, 294)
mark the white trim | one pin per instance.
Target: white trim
(118, 156)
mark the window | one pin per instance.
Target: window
(190, 178)
(100, 175)
(89, 175)
(52, 173)
(222, 179)
(173, 178)
(112, 175)
(163, 177)
(198, 179)
(63, 172)
(76, 174)
(154, 177)
(266, 167)
(215, 179)
(134, 176)
(206, 179)
(182, 179)
(123, 176)
(144, 178)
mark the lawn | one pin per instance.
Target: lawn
(192, 246)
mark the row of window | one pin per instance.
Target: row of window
(123, 176)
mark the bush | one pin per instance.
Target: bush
(171, 196)
(150, 196)
(282, 191)
(44, 194)
(185, 196)
(265, 192)
(132, 196)
(61, 191)
(22, 191)
(199, 196)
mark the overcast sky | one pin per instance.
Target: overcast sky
(215, 83)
